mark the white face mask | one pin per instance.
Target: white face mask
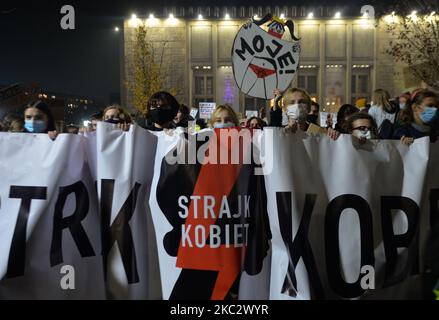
(294, 110)
(362, 134)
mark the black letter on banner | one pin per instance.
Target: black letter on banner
(17, 253)
(283, 60)
(274, 53)
(245, 46)
(434, 208)
(120, 230)
(258, 40)
(332, 250)
(72, 222)
(300, 247)
(393, 241)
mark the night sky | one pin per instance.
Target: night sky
(84, 61)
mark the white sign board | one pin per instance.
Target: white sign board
(206, 109)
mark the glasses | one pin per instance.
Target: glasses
(364, 128)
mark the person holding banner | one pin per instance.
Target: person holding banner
(224, 117)
(420, 119)
(162, 109)
(115, 114)
(290, 109)
(361, 126)
(39, 119)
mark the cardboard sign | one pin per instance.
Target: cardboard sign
(206, 109)
(263, 62)
(315, 129)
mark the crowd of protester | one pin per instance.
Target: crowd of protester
(407, 117)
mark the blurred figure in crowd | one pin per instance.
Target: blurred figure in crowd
(71, 128)
(313, 115)
(384, 112)
(263, 115)
(404, 100)
(420, 118)
(162, 110)
(94, 119)
(183, 117)
(361, 104)
(224, 117)
(255, 123)
(343, 114)
(13, 122)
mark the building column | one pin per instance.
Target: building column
(322, 62)
(348, 81)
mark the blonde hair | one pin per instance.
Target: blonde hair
(287, 97)
(227, 108)
(382, 98)
(123, 114)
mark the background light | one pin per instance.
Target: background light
(337, 15)
(282, 16)
(310, 15)
(116, 29)
(227, 16)
(200, 17)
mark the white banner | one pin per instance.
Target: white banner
(49, 224)
(348, 221)
(137, 215)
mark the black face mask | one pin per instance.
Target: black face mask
(113, 121)
(162, 115)
(312, 118)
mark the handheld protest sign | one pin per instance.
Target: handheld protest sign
(206, 109)
(261, 60)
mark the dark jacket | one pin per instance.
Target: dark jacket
(276, 118)
(410, 130)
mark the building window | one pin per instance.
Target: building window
(334, 88)
(360, 86)
(254, 104)
(203, 88)
(307, 79)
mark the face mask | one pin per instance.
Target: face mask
(113, 120)
(223, 125)
(311, 118)
(35, 126)
(428, 115)
(362, 134)
(402, 106)
(162, 115)
(294, 110)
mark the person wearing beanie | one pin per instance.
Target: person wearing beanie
(361, 103)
